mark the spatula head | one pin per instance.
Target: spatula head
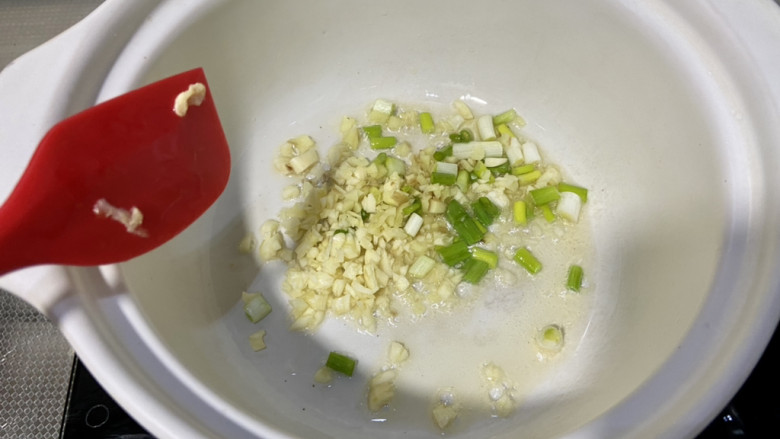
(131, 151)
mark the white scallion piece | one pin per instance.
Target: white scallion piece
(421, 267)
(485, 127)
(569, 206)
(380, 111)
(256, 308)
(550, 338)
(383, 106)
(463, 109)
(446, 168)
(492, 162)
(413, 224)
(477, 150)
(514, 152)
(531, 153)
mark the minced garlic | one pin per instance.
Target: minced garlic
(194, 95)
(358, 224)
(131, 219)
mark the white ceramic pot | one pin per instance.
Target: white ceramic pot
(666, 110)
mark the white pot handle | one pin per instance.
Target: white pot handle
(57, 79)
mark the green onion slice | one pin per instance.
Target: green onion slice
(464, 225)
(505, 117)
(487, 256)
(580, 191)
(412, 208)
(485, 211)
(421, 267)
(341, 363)
(528, 261)
(426, 123)
(373, 131)
(547, 212)
(454, 253)
(463, 180)
(474, 270)
(574, 280)
(257, 308)
(443, 153)
(382, 142)
(545, 195)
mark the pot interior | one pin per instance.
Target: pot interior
(605, 93)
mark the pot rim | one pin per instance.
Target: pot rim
(132, 375)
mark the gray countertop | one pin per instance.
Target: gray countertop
(35, 360)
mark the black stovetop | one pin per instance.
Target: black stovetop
(754, 413)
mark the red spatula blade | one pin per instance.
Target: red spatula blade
(132, 151)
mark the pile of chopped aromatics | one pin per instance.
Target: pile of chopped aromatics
(388, 223)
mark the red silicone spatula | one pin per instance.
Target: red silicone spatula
(130, 152)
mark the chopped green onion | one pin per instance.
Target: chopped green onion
(467, 229)
(485, 211)
(528, 261)
(528, 177)
(383, 106)
(580, 191)
(480, 169)
(373, 131)
(446, 168)
(505, 117)
(257, 308)
(381, 158)
(545, 195)
(574, 280)
(519, 213)
(445, 173)
(485, 127)
(364, 215)
(456, 138)
(530, 207)
(395, 165)
(487, 256)
(412, 208)
(444, 179)
(521, 170)
(383, 142)
(463, 180)
(505, 131)
(426, 123)
(466, 136)
(569, 206)
(474, 270)
(550, 338)
(443, 153)
(547, 213)
(421, 267)
(413, 224)
(492, 162)
(478, 150)
(337, 231)
(501, 169)
(514, 152)
(531, 152)
(454, 253)
(341, 363)
(381, 111)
